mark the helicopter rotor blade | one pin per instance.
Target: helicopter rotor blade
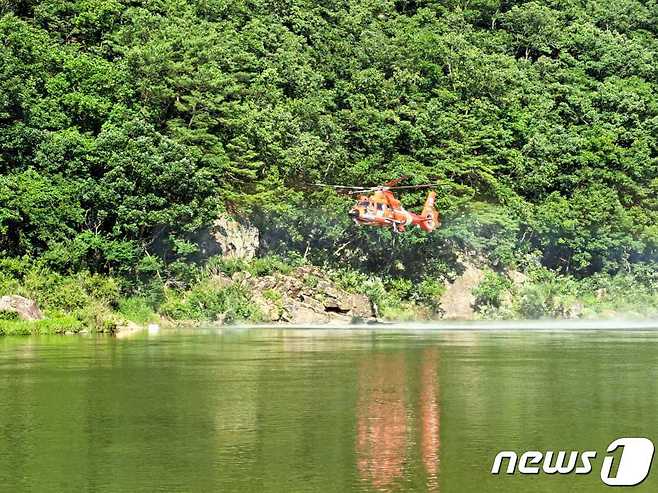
(427, 185)
(356, 192)
(353, 190)
(383, 188)
(346, 187)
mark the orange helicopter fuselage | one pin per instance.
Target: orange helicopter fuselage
(382, 209)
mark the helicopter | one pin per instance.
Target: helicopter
(382, 209)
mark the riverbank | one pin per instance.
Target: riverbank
(273, 290)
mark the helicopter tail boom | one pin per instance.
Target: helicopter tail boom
(430, 216)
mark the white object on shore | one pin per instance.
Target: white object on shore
(153, 329)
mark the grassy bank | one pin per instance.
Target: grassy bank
(218, 292)
(70, 303)
(49, 326)
(545, 294)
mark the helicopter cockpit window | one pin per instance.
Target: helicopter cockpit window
(363, 203)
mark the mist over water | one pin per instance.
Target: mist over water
(476, 325)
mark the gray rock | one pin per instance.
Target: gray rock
(458, 299)
(358, 305)
(302, 314)
(517, 278)
(575, 311)
(26, 309)
(269, 309)
(235, 239)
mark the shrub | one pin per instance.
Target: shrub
(17, 328)
(9, 284)
(429, 291)
(59, 325)
(399, 288)
(207, 302)
(401, 311)
(15, 268)
(311, 281)
(548, 295)
(183, 274)
(102, 288)
(266, 266)
(533, 302)
(351, 280)
(228, 266)
(623, 293)
(272, 295)
(52, 290)
(8, 315)
(137, 309)
(490, 291)
(98, 317)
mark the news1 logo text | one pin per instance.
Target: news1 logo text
(626, 462)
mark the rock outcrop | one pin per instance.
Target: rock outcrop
(25, 308)
(235, 239)
(458, 299)
(304, 296)
(518, 278)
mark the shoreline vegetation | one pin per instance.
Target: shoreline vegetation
(130, 130)
(277, 290)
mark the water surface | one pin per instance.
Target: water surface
(317, 410)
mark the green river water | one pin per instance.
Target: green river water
(318, 410)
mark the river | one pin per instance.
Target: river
(318, 410)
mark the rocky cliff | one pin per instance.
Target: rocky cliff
(304, 296)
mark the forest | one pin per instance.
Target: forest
(128, 126)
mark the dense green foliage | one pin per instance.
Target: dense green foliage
(126, 126)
